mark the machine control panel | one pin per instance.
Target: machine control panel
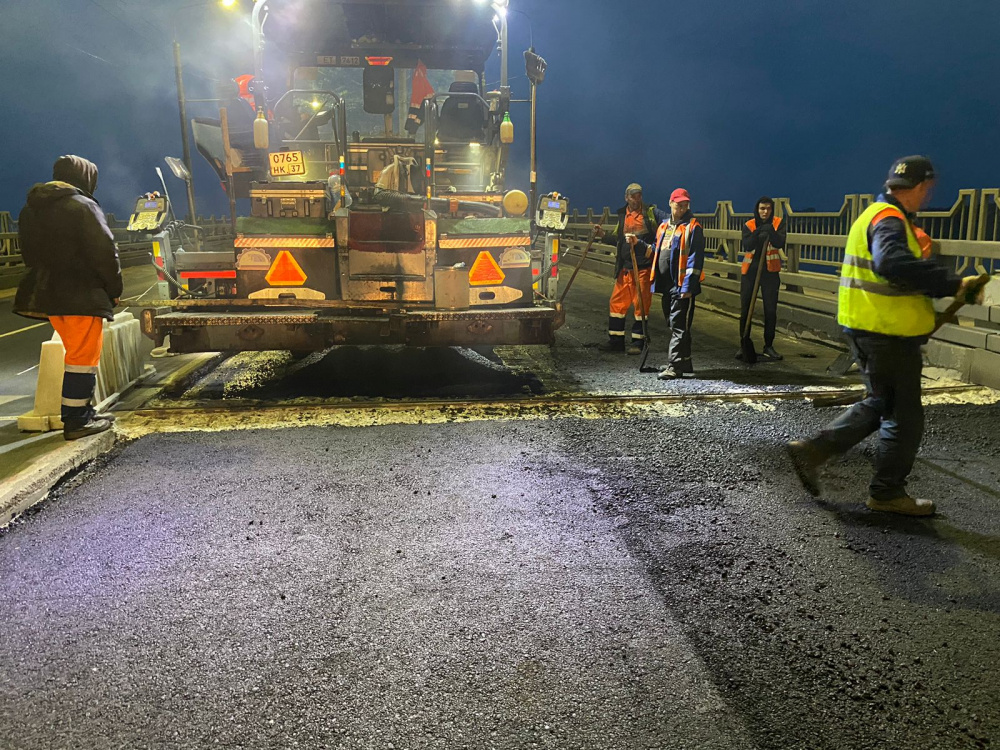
(150, 214)
(553, 212)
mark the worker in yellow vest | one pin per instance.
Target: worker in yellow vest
(885, 308)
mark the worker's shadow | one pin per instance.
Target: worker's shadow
(928, 562)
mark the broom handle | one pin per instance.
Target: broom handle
(949, 314)
(756, 288)
(593, 236)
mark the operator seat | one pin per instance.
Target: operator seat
(462, 118)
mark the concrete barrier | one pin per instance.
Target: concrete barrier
(121, 367)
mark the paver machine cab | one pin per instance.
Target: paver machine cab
(371, 221)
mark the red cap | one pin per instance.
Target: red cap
(680, 194)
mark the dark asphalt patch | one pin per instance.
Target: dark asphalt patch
(827, 625)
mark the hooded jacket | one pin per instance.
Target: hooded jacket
(70, 252)
(756, 233)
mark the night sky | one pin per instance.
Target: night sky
(809, 99)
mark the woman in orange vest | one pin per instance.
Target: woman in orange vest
(763, 230)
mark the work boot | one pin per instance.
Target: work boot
(739, 354)
(668, 373)
(806, 460)
(614, 345)
(904, 506)
(772, 354)
(75, 429)
(633, 349)
(94, 414)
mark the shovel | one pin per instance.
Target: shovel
(946, 317)
(746, 345)
(572, 278)
(641, 309)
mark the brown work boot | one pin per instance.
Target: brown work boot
(806, 459)
(633, 349)
(903, 505)
(78, 428)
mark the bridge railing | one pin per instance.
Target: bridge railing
(133, 247)
(966, 236)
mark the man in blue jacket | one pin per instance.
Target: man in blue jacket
(885, 307)
(635, 230)
(680, 253)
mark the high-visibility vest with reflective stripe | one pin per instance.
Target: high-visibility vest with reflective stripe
(867, 301)
(773, 258)
(686, 231)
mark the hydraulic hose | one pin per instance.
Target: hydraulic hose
(395, 199)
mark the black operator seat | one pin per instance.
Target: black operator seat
(463, 118)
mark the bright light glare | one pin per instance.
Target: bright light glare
(314, 104)
(228, 3)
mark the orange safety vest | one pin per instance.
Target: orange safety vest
(773, 258)
(925, 242)
(685, 244)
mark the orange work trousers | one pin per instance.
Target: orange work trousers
(624, 297)
(82, 337)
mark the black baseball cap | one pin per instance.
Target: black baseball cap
(910, 171)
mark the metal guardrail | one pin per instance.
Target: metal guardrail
(967, 235)
(10, 249)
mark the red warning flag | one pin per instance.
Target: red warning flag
(421, 90)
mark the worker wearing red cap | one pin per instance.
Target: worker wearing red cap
(885, 306)
(635, 232)
(680, 254)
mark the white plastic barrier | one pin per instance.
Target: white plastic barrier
(121, 367)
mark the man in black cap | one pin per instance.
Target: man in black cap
(885, 307)
(74, 280)
(635, 231)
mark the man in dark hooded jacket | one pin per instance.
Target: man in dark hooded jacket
(74, 279)
(763, 242)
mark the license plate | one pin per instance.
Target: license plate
(287, 163)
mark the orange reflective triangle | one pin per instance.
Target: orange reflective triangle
(285, 271)
(485, 271)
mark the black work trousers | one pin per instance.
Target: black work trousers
(891, 368)
(679, 314)
(770, 283)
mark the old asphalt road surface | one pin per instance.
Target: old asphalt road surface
(651, 578)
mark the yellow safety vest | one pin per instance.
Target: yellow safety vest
(867, 301)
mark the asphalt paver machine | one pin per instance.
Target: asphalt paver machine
(374, 159)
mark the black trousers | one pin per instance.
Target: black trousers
(679, 314)
(770, 283)
(891, 368)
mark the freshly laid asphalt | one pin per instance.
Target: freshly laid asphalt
(653, 581)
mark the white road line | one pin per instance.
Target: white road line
(28, 370)
(22, 330)
(28, 441)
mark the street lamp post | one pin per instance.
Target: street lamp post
(185, 144)
(182, 105)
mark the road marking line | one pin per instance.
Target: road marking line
(28, 370)
(28, 441)
(22, 330)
